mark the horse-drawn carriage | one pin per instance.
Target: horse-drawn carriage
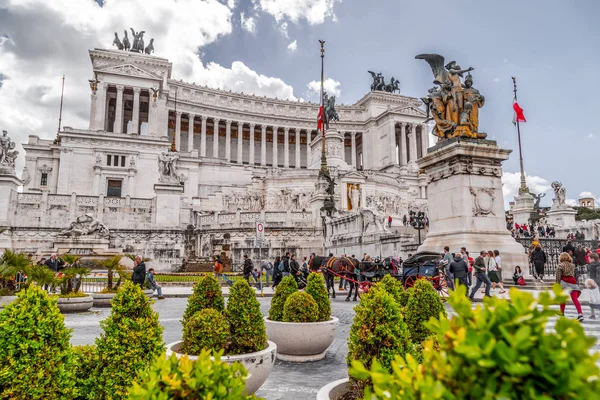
(362, 275)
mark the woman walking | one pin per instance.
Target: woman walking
(565, 276)
(493, 272)
(538, 259)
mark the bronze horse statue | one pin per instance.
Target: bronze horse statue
(330, 266)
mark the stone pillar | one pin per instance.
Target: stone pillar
(228, 140)
(424, 138)
(101, 102)
(118, 126)
(297, 148)
(216, 137)
(251, 152)
(93, 109)
(275, 163)
(286, 147)
(240, 155)
(413, 142)
(190, 145)
(308, 140)
(403, 149)
(168, 204)
(263, 146)
(96, 188)
(393, 150)
(353, 136)
(203, 138)
(178, 130)
(136, 111)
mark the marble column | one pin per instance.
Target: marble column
(216, 137)
(251, 152)
(93, 110)
(228, 140)
(286, 147)
(190, 146)
(413, 142)
(353, 136)
(136, 111)
(240, 155)
(425, 138)
(403, 148)
(394, 149)
(297, 148)
(102, 104)
(263, 146)
(308, 140)
(118, 126)
(203, 138)
(275, 161)
(178, 131)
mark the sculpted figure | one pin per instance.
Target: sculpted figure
(474, 101)
(7, 154)
(330, 112)
(393, 86)
(167, 168)
(150, 48)
(117, 42)
(560, 194)
(85, 225)
(538, 198)
(378, 81)
(126, 44)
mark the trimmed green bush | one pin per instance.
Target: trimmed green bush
(132, 338)
(378, 332)
(206, 294)
(286, 287)
(394, 287)
(316, 288)
(248, 332)
(207, 329)
(35, 353)
(300, 307)
(499, 351)
(184, 379)
(424, 303)
(85, 359)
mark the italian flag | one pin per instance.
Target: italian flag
(519, 116)
(320, 119)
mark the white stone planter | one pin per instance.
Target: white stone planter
(333, 390)
(6, 300)
(301, 342)
(258, 364)
(104, 299)
(75, 304)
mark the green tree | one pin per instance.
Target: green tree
(112, 265)
(206, 294)
(424, 303)
(300, 307)
(394, 287)
(286, 287)
(35, 353)
(207, 329)
(11, 263)
(316, 288)
(248, 332)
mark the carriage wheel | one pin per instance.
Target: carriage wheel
(410, 281)
(364, 286)
(441, 286)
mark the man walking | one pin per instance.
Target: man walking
(465, 257)
(447, 260)
(480, 276)
(247, 270)
(267, 266)
(460, 270)
(139, 271)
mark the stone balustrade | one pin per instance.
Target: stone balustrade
(279, 219)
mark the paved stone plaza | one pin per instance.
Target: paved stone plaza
(288, 380)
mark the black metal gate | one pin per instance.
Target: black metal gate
(553, 248)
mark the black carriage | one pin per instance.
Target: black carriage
(374, 271)
(427, 265)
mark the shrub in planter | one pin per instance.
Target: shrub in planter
(205, 378)
(206, 294)
(35, 353)
(248, 333)
(394, 287)
(378, 332)
(286, 287)
(316, 288)
(11, 264)
(300, 307)
(207, 329)
(424, 303)
(131, 340)
(501, 350)
(84, 364)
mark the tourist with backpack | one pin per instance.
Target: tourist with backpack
(267, 268)
(248, 267)
(218, 270)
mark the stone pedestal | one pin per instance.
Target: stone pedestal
(561, 217)
(523, 208)
(168, 204)
(465, 202)
(334, 147)
(83, 245)
(9, 184)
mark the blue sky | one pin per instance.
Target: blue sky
(550, 46)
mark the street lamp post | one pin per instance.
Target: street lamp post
(417, 222)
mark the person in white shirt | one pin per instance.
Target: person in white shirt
(492, 268)
(591, 285)
(498, 263)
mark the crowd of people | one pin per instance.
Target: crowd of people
(527, 230)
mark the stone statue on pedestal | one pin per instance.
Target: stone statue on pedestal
(454, 106)
(7, 154)
(380, 85)
(560, 195)
(167, 168)
(329, 109)
(85, 225)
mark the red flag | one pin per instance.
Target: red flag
(519, 116)
(320, 119)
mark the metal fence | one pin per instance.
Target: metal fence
(553, 248)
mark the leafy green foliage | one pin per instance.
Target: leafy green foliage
(133, 256)
(206, 294)
(286, 287)
(584, 213)
(317, 289)
(394, 287)
(499, 351)
(11, 263)
(84, 363)
(70, 258)
(248, 332)
(113, 264)
(207, 329)
(378, 332)
(424, 303)
(300, 307)
(35, 354)
(70, 279)
(179, 379)
(131, 340)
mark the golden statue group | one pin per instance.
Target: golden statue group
(453, 103)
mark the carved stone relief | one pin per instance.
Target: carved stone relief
(483, 201)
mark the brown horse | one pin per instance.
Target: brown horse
(344, 266)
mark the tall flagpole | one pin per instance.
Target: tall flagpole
(62, 93)
(323, 155)
(523, 188)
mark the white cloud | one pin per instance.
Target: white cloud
(283, 28)
(231, 4)
(571, 202)
(511, 182)
(249, 23)
(313, 11)
(293, 46)
(591, 136)
(31, 67)
(586, 194)
(331, 86)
